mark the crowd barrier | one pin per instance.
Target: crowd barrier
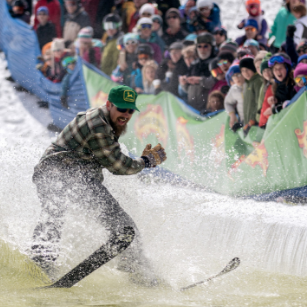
(266, 164)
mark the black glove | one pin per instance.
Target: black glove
(64, 101)
(236, 127)
(290, 31)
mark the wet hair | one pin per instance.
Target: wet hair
(220, 101)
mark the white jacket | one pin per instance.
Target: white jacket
(300, 29)
(234, 99)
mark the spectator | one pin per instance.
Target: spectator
(268, 100)
(234, 99)
(299, 12)
(87, 51)
(174, 32)
(300, 76)
(45, 30)
(189, 40)
(69, 64)
(184, 13)
(225, 60)
(251, 32)
(46, 61)
(75, 20)
(58, 54)
(228, 46)
(283, 18)
(148, 73)
(19, 12)
(112, 25)
(219, 75)
(261, 55)
(242, 52)
(209, 13)
(147, 10)
(144, 54)
(170, 83)
(157, 24)
(122, 73)
(252, 45)
(253, 8)
(146, 36)
(302, 59)
(199, 81)
(215, 101)
(220, 35)
(136, 15)
(283, 87)
(54, 10)
(105, 8)
(252, 86)
(164, 6)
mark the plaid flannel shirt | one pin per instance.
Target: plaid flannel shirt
(90, 137)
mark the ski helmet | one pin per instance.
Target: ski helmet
(144, 49)
(250, 4)
(112, 21)
(280, 58)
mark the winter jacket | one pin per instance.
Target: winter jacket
(54, 14)
(301, 29)
(124, 77)
(92, 56)
(137, 79)
(251, 90)
(110, 55)
(156, 43)
(214, 19)
(181, 69)
(57, 71)
(279, 28)
(74, 23)
(172, 38)
(198, 93)
(133, 20)
(234, 100)
(263, 119)
(220, 85)
(45, 34)
(262, 92)
(241, 40)
(282, 93)
(262, 24)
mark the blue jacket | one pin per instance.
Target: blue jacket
(215, 20)
(137, 79)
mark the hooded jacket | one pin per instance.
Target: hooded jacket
(234, 100)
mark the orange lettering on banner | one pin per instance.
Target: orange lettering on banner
(218, 149)
(302, 138)
(185, 142)
(258, 157)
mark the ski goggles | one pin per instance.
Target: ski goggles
(131, 42)
(299, 79)
(111, 25)
(250, 29)
(143, 56)
(145, 26)
(221, 63)
(121, 110)
(278, 60)
(216, 71)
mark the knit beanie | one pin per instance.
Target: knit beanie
(85, 35)
(302, 57)
(248, 62)
(204, 3)
(147, 8)
(234, 69)
(226, 56)
(265, 62)
(57, 44)
(251, 23)
(157, 18)
(130, 37)
(229, 46)
(251, 42)
(301, 69)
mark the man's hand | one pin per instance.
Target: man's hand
(155, 155)
(291, 30)
(194, 80)
(183, 80)
(268, 112)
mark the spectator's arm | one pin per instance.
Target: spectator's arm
(117, 75)
(290, 46)
(264, 28)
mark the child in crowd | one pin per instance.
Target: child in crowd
(209, 13)
(46, 62)
(69, 64)
(252, 45)
(58, 54)
(149, 73)
(219, 75)
(87, 51)
(157, 24)
(253, 82)
(112, 24)
(299, 12)
(45, 30)
(268, 100)
(19, 11)
(234, 98)
(283, 87)
(220, 35)
(144, 53)
(302, 59)
(253, 8)
(251, 32)
(146, 36)
(300, 76)
(147, 10)
(127, 60)
(225, 60)
(215, 101)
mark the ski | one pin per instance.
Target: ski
(233, 264)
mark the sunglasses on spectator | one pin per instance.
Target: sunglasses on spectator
(302, 50)
(219, 33)
(237, 75)
(216, 71)
(131, 42)
(202, 46)
(146, 26)
(221, 63)
(250, 29)
(143, 56)
(205, 8)
(299, 79)
(172, 17)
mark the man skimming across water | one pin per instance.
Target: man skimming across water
(70, 172)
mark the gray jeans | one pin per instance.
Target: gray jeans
(64, 182)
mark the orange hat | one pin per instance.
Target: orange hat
(248, 3)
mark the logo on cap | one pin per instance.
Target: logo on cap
(129, 96)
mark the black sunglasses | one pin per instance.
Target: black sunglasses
(130, 111)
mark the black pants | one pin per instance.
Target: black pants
(65, 183)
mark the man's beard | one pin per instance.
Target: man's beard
(119, 130)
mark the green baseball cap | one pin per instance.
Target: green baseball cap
(124, 97)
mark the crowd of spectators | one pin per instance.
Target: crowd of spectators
(161, 45)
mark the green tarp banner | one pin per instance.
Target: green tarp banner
(207, 152)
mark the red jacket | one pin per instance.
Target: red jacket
(54, 14)
(263, 119)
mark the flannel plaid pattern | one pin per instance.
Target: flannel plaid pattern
(90, 137)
